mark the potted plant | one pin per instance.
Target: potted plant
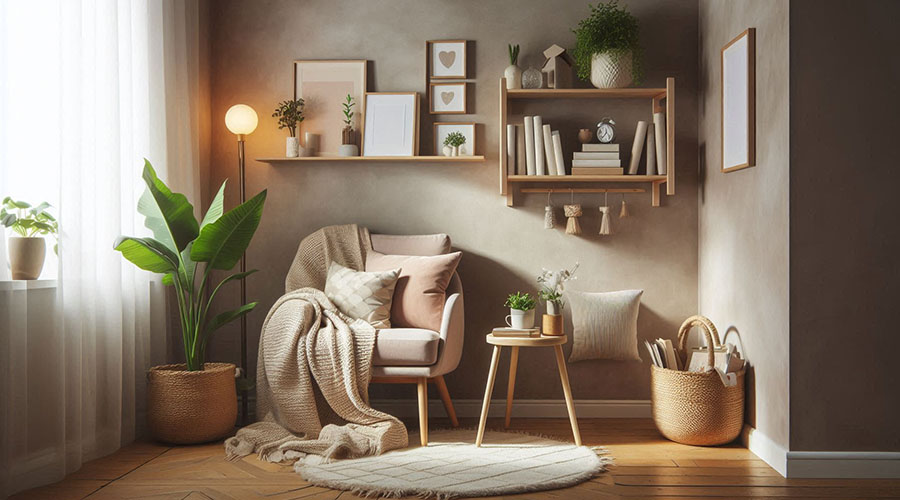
(452, 143)
(521, 310)
(290, 114)
(31, 224)
(193, 402)
(348, 139)
(606, 47)
(552, 286)
(513, 73)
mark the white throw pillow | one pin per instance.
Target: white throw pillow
(362, 295)
(605, 324)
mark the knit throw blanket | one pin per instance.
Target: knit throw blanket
(314, 368)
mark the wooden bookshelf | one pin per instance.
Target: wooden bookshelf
(364, 159)
(661, 99)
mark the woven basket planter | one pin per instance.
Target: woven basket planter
(695, 407)
(191, 407)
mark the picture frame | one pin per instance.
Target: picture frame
(738, 102)
(468, 129)
(324, 84)
(447, 98)
(446, 59)
(391, 125)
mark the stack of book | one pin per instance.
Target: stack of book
(664, 354)
(534, 148)
(597, 159)
(516, 332)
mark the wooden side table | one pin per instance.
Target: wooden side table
(515, 343)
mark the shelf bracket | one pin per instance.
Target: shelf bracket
(654, 195)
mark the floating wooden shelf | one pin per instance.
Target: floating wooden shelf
(510, 183)
(398, 159)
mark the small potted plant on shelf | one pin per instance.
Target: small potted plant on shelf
(290, 114)
(606, 47)
(521, 310)
(27, 249)
(193, 402)
(348, 139)
(452, 143)
(513, 73)
(552, 286)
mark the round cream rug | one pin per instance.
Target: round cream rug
(451, 466)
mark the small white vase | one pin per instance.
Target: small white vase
(455, 151)
(292, 147)
(447, 151)
(611, 70)
(520, 319)
(513, 75)
(348, 150)
(552, 309)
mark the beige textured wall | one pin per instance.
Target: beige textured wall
(845, 280)
(743, 220)
(252, 46)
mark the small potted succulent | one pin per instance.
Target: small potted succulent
(28, 248)
(552, 286)
(521, 310)
(452, 143)
(348, 135)
(290, 114)
(513, 73)
(606, 47)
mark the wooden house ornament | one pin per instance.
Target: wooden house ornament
(558, 66)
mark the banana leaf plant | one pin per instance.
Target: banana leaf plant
(186, 252)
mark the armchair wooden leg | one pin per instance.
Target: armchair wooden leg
(445, 397)
(422, 383)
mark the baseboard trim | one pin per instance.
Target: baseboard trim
(763, 447)
(522, 408)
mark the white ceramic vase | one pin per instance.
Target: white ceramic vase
(520, 319)
(552, 309)
(348, 150)
(513, 75)
(292, 147)
(455, 151)
(26, 257)
(447, 151)
(611, 70)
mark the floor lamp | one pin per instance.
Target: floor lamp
(241, 120)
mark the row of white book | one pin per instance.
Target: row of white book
(534, 148)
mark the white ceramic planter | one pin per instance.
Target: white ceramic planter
(447, 151)
(292, 147)
(520, 319)
(552, 309)
(455, 151)
(348, 150)
(610, 70)
(26, 257)
(513, 75)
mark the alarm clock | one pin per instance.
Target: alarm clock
(606, 130)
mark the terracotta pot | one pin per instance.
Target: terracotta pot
(552, 325)
(26, 257)
(186, 407)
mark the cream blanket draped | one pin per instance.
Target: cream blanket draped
(314, 367)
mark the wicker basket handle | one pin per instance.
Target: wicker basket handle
(709, 331)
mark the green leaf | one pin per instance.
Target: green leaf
(168, 279)
(148, 254)
(9, 219)
(21, 204)
(170, 216)
(226, 317)
(222, 242)
(216, 208)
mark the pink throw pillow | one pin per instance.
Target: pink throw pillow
(420, 292)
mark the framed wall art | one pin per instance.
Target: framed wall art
(738, 68)
(447, 98)
(446, 59)
(443, 129)
(391, 124)
(324, 85)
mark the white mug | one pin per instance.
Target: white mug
(520, 319)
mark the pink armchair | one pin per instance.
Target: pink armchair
(414, 355)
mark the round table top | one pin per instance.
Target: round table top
(542, 341)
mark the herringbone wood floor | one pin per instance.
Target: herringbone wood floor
(646, 466)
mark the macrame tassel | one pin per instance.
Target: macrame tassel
(573, 212)
(604, 220)
(624, 211)
(549, 218)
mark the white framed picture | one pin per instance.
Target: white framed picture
(443, 129)
(446, 58)
(391, 124)
(324, 85)
(739, 102)
(447, 98)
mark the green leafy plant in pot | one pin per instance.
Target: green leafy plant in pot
(521, 310)
(348, 135)
(290, 115)
(196, 401)
(607, 50)
(27, 247)
(452, 143)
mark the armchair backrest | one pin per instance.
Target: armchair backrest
(417, 244)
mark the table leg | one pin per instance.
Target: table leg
(570, 405)
(492, 374)
(513, 363)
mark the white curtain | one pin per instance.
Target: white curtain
(119, 81)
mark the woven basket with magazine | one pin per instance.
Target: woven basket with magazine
(696, 407)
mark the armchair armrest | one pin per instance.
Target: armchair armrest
(452, 335)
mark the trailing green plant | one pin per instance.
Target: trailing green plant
(27, 220)
(289, 114)
(454, 139)
(186, 252)
(348, 111)
(520, 301)
(513, 54)
(609, 28)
